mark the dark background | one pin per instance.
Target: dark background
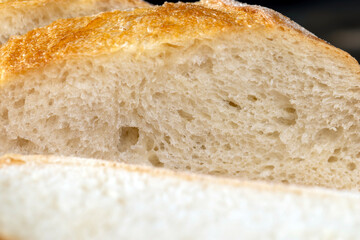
(337, 22)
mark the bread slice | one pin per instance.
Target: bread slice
(18, 16)
(211, 87)
(72, 198)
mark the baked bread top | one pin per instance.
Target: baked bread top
(147, 28)
(212, 87)
(18, 17)
(29, 3)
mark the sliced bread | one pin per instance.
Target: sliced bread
(72, 198)
(212, 87)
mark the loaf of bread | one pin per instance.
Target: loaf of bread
(212, 87)
(73, 198)
(19, 16)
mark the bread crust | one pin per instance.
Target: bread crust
(19, 16)
(15, 160)
(147, 28)
(7, 4)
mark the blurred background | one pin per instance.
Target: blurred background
(337, 22)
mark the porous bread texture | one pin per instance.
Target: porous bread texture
(250, 101)
(18, 17)
(72, 198)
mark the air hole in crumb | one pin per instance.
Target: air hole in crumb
(351, 166)
(142, 84)
(275, 134)
(227, 147)
(197, 139)
(285, 181)
(269, 167)
(185, 115)
(101, 69)
(171, 45)
(22, 142)
(290, 110)
(167, 139)
(326, 135)
(358, 155)
(154, 160)
(234, 105)
(31, 91)
(321, 70)
(51, 102)
(158, 95)
(203, 147)
(285, 121)
(332, 159)
(74, 142)
(337, 151)
(52, 120)
(94, 120)
(188, 168)
(5, 115)
(20, 103)
(195, 156)
(354, 89)
(156, 148)
(129, 136)
(64, 76)
(252, 98)
(218, 172)
(298, 159)
(234, 125)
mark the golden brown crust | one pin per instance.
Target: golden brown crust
(269, 14)
(115, 30)
(5, 4)
(285, 24)
(141, 29)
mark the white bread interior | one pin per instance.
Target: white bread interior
(18, 17)
(72, 198)
(253, 104)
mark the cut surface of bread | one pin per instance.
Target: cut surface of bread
(212, 87)
(18, 16)
(72, 198)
